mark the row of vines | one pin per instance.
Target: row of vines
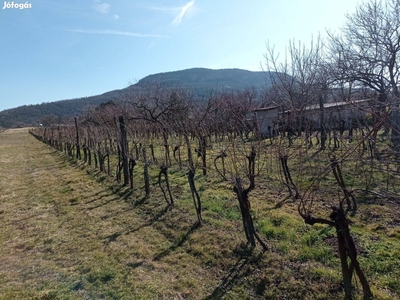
(160, 127)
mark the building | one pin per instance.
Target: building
(343, 114)
(265, 120)
(268, 121)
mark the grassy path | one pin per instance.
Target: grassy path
(70, 232)
(64, 235)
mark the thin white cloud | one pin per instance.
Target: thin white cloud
(116, 17)
(116, 32)
(178, 18)
(103, 8)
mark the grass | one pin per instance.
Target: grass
(70, 232)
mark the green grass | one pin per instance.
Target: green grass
(71, 232)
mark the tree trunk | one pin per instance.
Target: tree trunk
(324, 135)
(395, 138)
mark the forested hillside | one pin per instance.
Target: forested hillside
(199, 81)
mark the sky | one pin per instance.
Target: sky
(54, 50)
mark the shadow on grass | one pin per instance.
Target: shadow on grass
(136, 265)
(98, 196)
(15, 222)
(103, 203)
(140, 201)
(314, 155)
(238, 271)
(114, 188)
(116, 192)
(122, 191)
(178, 244)
(112, 238)
(281, 203)
(154, 219)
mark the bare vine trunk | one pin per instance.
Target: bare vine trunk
(78, 149)
(124, 150)
(164, 171)
(146, 173)
(244, 204)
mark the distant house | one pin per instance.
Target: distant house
(346, 114)
(343, 113)
(265, 120)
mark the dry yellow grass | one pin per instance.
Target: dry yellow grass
(69, 232)
(62, 232)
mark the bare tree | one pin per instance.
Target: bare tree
(300, 82)
(366, 53)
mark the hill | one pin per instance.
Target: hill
(32, 115)
(200, 80)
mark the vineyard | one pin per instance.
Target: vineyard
(284, 190)
(165, 198)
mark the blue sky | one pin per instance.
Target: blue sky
(64, 49)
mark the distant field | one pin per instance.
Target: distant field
(70, 232)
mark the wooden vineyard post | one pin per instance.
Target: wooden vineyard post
(78, 149)
(146, 173)
(124, 150)
(251, 158)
